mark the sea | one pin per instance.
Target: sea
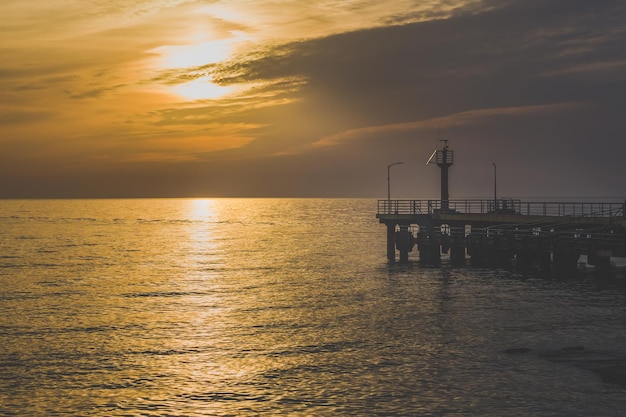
(284, 307)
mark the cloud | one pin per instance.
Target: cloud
(449, 58)
(457, 120)
(19, 117)
(606, 68)
(515, 55)
(95, 92)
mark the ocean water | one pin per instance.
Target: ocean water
(247, 307)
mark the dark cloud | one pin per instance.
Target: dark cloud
(179, 76)
(509, 56)
(517, 54)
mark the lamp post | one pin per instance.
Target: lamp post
(389, 184)
(495, 187)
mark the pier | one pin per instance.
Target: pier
(552, 235)
(498, 231)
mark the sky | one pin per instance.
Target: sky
(291, 98)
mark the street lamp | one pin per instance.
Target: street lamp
(495, 187)
(388, 183)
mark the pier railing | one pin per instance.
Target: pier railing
(502, 206)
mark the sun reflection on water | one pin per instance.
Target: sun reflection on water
(202, 209)
(203, 251)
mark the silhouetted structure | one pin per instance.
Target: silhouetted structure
(444, 158)
(550, 234)
(493, 232)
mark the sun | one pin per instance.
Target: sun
(188, 59)
(194, 55)
(202, 89)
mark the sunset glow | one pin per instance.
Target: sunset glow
(190, 56)
(201, 88)
(87, 88)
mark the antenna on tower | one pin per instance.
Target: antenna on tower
(436, 142)
(431, 156)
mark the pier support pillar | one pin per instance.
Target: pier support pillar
(565, 264)
(445, 243)
(404, 242)
(457, 248)
(457, 254)
(602, 263)
(545, 261)
(476, 250)
(429, 248)
(523, 260)
(391, 241)
(429, 255)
